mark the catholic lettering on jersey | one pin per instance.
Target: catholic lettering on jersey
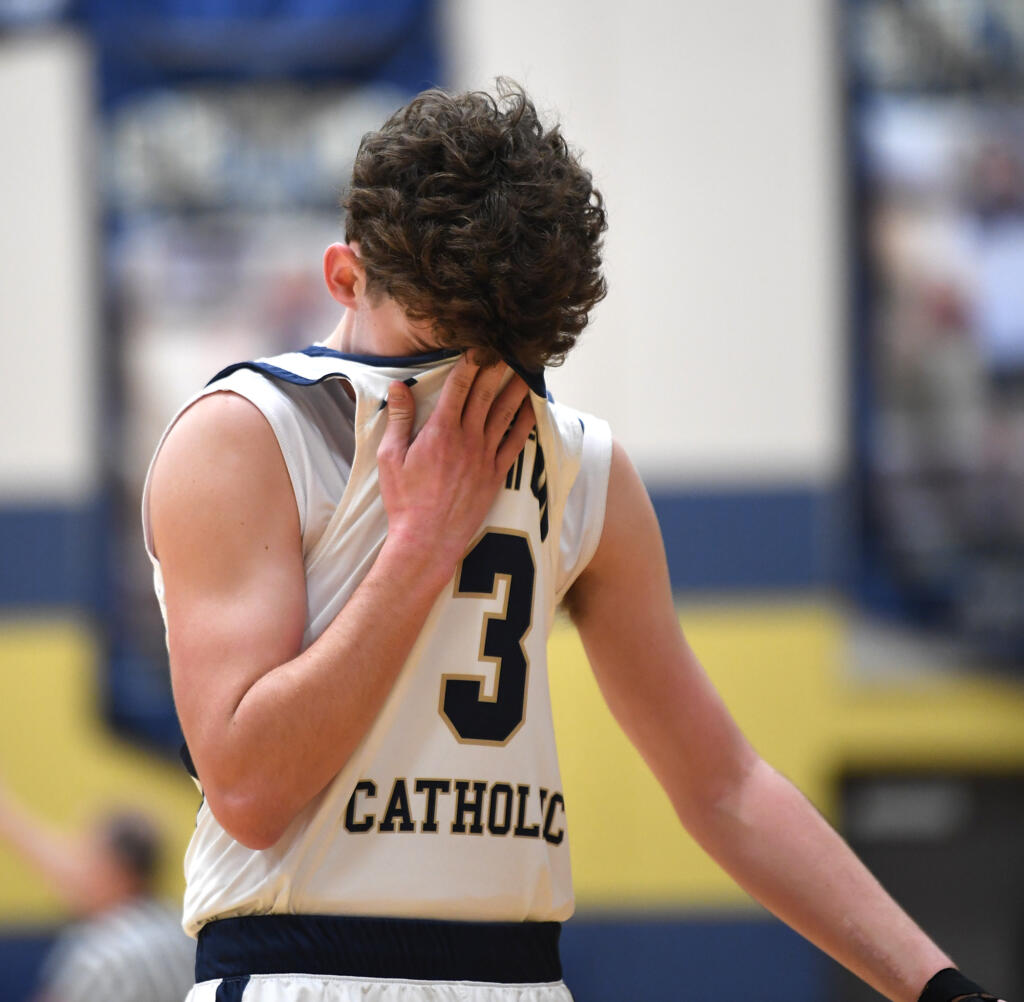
(472, 807)
(452, 805)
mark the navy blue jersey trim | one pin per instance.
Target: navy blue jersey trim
(384, 361)
(276, 371)
(361, 947)
(535, 380)
(231, 990)
(186, 760)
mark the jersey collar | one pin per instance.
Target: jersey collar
(534, 380)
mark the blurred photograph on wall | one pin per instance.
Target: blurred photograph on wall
(939, 146)
(221, 172)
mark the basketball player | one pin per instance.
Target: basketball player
(359, 549)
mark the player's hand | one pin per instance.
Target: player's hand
(438, 486)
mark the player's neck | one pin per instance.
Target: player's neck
(381, 330)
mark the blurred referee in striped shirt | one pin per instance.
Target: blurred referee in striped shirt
(126, 946)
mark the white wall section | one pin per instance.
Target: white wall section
(48, 298)
(712, 129)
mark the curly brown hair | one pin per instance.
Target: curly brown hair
(480, 221)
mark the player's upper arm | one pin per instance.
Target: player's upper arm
(225, 529)
(623, 607)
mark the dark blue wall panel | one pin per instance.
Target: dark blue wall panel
(22, 952)
(716, 540)
(629, 959)
(750, 538)
(51, 555)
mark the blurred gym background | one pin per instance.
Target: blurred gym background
(813, 347)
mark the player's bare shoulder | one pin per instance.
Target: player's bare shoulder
(220, 472)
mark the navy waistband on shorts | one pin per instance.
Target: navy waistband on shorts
(366, 947)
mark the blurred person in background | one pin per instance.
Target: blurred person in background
(125, 945)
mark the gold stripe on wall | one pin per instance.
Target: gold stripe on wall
(60, 759)
(779, 666)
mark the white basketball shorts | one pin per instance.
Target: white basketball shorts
(334, 988)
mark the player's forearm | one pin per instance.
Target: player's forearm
(297, 725)
(776, 845)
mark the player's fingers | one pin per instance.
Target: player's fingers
(516, 438)
(455, 390)
(504, 410)
(482, 396)
(401, 418)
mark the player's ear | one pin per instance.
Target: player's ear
(344, 273)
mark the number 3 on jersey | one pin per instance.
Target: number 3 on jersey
(473, 717)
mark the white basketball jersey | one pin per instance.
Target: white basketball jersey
(451, 806)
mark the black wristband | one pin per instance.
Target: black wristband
(950, 984)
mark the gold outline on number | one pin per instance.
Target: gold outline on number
(496, 661)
